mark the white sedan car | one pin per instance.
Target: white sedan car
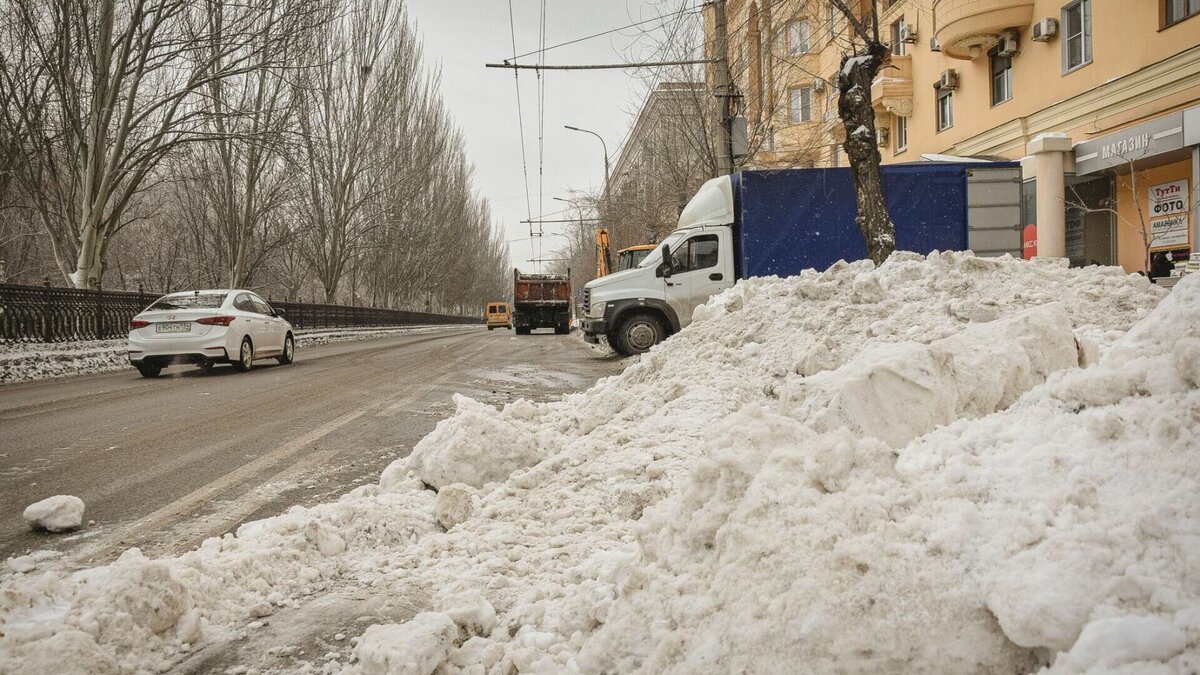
(208, 327)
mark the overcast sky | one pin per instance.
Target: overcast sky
(462, 35)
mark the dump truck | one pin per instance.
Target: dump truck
(763, 223)
(541, 301)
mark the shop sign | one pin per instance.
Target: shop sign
(1191, 126)
(1143, 141)
(1167, 199)
(1166, 233)
(1029, 242)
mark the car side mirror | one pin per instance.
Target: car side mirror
(664, 269)
(279, 312)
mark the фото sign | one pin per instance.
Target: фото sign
(1167, 199)
(1168, 205)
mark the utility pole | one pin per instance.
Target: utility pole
(722, 89)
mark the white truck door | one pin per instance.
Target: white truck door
(698, 272)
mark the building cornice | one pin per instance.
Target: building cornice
(1159, 80)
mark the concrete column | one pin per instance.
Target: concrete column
(1050, 151)
(1195, 197)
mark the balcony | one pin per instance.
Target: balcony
(967, 29)
(892, 90)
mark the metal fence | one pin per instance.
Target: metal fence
(46, 314)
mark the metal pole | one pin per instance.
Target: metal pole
(722, 90)
(602, 144)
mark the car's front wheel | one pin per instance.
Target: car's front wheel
(289, 350)
(639, 333)
(149, 371)
(245, 356)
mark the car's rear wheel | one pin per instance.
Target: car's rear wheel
(245, 356)
(149, 371)
(289, 350)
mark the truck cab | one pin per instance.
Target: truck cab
(639, 307)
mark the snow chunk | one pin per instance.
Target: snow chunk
(453, 504)
(55, 514)
(416, 647)
(476, 446)
(1117, 641)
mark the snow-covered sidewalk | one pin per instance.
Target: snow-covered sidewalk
(941, 465)
(24, 361)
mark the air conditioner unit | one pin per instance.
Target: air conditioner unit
(1009, 45)
(818, 85)
(908, 33)
(948, 80)
(882, 135)
(1045, 30)
(934, 45)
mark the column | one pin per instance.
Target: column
(1050, 151)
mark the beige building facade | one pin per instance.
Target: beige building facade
(1100, 99)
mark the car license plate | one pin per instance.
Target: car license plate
(174, 327)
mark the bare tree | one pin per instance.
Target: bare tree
(114, 87)
(854, 80)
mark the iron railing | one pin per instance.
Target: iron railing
(47, 314)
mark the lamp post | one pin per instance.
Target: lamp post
(602, 144)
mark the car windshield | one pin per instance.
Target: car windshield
(193, 301)
(655, 256)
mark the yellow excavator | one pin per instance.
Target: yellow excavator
(603, 258)
(627, 258)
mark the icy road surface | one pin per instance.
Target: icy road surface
(163, 464)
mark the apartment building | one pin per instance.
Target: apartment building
(669, 152)
(1100, 99)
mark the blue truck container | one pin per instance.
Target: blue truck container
(790, 220)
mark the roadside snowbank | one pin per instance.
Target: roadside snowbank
(25, 361)
(900, 468)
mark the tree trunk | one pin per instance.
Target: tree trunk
(858, 116)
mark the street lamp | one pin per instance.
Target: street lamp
(602, 144)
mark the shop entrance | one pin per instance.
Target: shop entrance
(1091, 221)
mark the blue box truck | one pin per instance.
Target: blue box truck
(763, 223)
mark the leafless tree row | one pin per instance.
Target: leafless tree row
(295, 146)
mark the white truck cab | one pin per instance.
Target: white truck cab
(640, 307)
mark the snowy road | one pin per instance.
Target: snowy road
(163, 464)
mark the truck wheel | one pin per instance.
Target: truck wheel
(639, 333)
(614, 343)
(522, 331)
(490, 328)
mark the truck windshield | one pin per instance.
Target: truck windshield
(655, 256)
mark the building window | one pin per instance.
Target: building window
(835, 21)
(797, 37)
(1001, 76)
(901, 133)
(1077, 35)
(1175, 11)
(945, 109)
(898, 45)
(800, 105)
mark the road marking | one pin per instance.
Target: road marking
(187, 504)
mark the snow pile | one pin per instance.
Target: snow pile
(742, 498)
(902, 468)
(1062, 530)
(55, 514)
(25, 361)
(139, 614)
